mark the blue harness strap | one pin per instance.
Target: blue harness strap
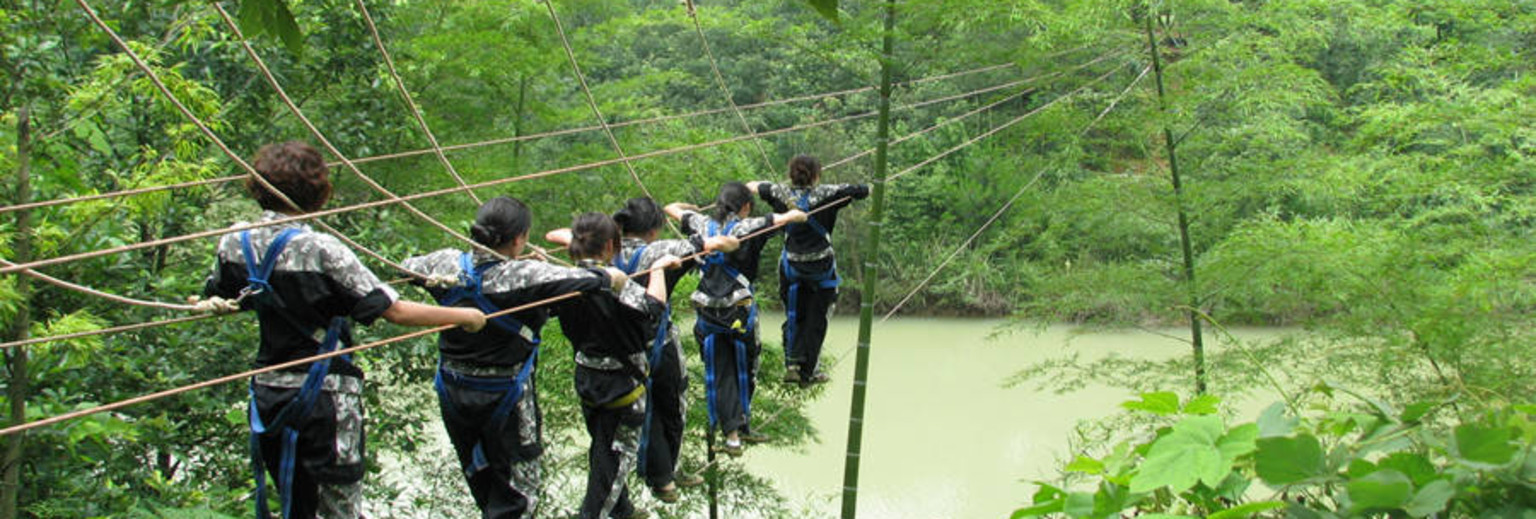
(633, 264)
(828, 279)
(471, 277)
(512, 392)
(743, 377)
(657, 345)
(258, 276)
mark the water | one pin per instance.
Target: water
(943, 437)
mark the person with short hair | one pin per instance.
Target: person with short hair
(610, 336)
(726, 328)
(307, 422)
(808, 277)
(486, 381)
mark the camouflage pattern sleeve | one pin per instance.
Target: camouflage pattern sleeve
(342, 265)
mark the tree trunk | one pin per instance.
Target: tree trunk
(17, 357)
(871, 258)
(1191, 295)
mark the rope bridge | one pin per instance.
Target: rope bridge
(1014, 90)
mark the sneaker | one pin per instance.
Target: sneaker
(819, 377)
(791, 374)
(732, 448)
(755, 437)
(666, 495)
(687, 480)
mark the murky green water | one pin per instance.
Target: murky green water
(943, 437)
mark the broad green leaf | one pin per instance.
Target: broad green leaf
(1275, 422)
(1282, 461)
(1418, 469)
(258, 17)
(1431, 498)
(1413, 412)
(1484, 447)
(1047, 500)
(1203, 404)
(827, 8)
(1079, 504)
(1186, 455)
(1160, 403)
(1086, 465)
(1381, 490)
(1247, 509)
(1238, 441)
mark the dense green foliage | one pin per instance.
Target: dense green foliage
(1362, 168)
(1339, 459)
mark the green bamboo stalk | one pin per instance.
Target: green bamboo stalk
(17, 357)
(871, 258)
(1192, 296)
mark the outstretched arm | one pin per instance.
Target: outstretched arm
(409, 313)
(675, 210)
(561, 236)
(791, 216)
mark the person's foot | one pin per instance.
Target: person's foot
(666, 494)
(755, 437)
(688, 480)
(732, 447)
(791, 374)
(818, 377)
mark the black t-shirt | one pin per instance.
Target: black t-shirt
(610, 334)
(716, 287)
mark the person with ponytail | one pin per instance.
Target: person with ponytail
(727, 314)
(662, 435)
(610, 334)
(485, 382)
(808, 277)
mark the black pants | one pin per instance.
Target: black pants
(328, 461)
(669, 384)
(805, 323)
(507, 485)
(729, 407)
(615, 439)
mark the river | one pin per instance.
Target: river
(943, 437)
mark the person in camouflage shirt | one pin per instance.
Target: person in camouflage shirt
(300, 283)
(727, 314)
(808, 277)
(610, 334)
(486, 381)
(661, 444)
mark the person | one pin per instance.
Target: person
(609, 333)
(808, 277)
(307, 421)
(662, 433)
(485, 383)
(726, 328)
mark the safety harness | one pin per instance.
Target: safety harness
(711, 262)
(259, 286)
(824, 280)
(471, 278)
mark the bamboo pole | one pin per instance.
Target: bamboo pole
(1191, 295)
(17, 357)
(871, 259)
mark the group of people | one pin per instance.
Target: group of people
(307, 289)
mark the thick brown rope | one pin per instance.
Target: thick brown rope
(439, 192)
(282, 93)
(207, 132)
(725, 91)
